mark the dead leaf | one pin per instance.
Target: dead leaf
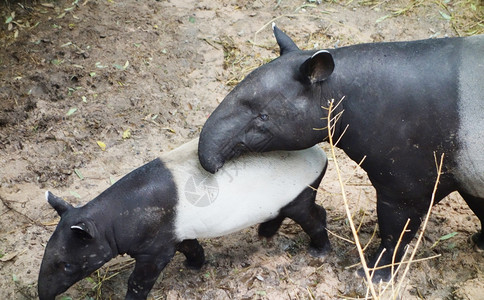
(8, 256)
(126, 134)
(71, 111)
(49, 5)
(51, 223)
(101, 145)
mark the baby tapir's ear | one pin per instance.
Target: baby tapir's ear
(57, 203)
(86, 229)
(318, 67)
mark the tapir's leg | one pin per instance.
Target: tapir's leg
(194, 253)
(269, 228)
(313, 222)
(393, 214)
(312, 218)
(477, 206)
(146, 271)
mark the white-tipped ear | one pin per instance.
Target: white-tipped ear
(85, 229)
(318, 67)
(286, 44)
(57, 203)
(319, 52)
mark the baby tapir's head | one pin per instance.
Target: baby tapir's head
(74, 251)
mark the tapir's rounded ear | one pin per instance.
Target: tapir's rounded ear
(318, 67)
(84, 229)
(57, 203)
(285, 43)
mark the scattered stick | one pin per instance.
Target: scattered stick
(6, 203)
(346, 206)
(424, 225)
(340, 237)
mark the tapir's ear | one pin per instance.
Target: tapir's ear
(284, 41)
(318, 67)
(85, 229)
(57, 203)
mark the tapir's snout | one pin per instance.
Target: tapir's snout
(46, 295)
(53, 280)
(47, 290)
(209, 162)
(212, 151)
(49, 286)
(213, 154)
(210, 158)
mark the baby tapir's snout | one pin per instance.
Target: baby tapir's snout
(167, 204)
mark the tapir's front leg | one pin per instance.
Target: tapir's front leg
(146, 271)
(393, 213)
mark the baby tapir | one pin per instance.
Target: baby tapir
(165, 205)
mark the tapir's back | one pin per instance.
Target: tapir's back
(246, 191)
(406, 100)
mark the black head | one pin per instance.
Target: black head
(276, 107)
(74, 251)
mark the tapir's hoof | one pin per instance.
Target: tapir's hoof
(478, 241)
(320, 252)
(382, 275)
(265, 238)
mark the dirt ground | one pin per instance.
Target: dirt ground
(90, 90)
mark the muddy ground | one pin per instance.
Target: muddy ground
(90, 89)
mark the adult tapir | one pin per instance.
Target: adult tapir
(404, 103)
(165, 205)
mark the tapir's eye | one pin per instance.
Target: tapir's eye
(68, 268)
(264, 117)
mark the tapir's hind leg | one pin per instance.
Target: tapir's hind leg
(269, 228)
(477, 206)
(312, 218)
(194, 253)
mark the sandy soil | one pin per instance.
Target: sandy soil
(75, 74)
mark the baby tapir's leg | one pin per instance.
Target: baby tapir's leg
(194, 253)
(310, 216)
(146, 271)
(269, 228)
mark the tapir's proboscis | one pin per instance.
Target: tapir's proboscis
(165, 205)
(404, 105)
